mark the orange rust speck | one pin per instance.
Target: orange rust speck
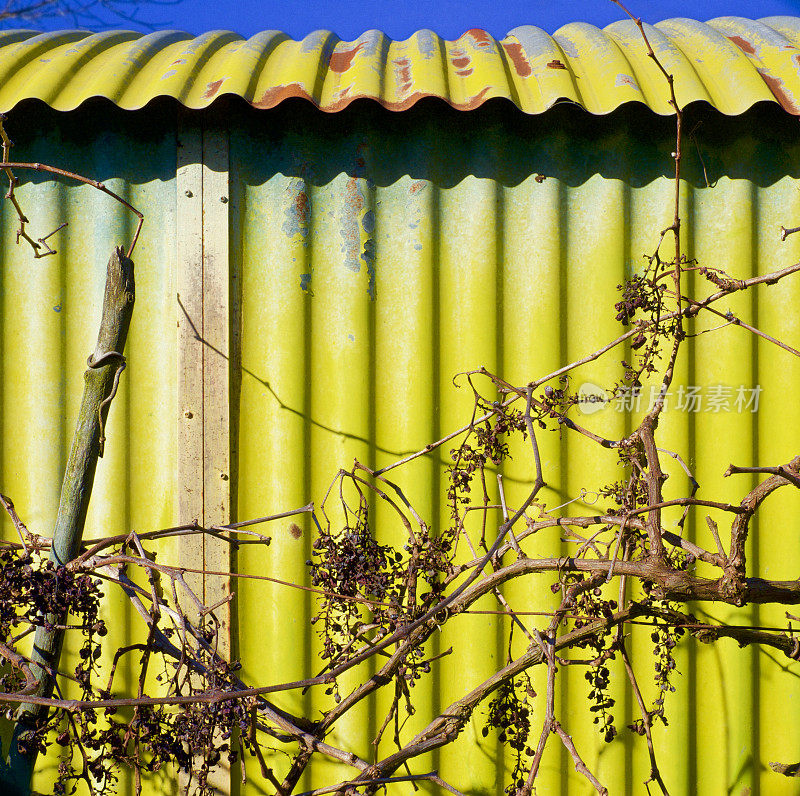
(417, 186)
(342, 61)
(743, 44)
(481, 37)
(212, 88)
(556, 64)
(461, 62)
(796, 59)
(518, 58)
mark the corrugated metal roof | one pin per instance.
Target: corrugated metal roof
(729, 62)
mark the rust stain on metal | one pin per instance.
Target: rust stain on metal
(276, 94)
(743, 44)
(298, 211)
(462, 62)
(417, 186)
(480, 37)
(341, 61)
(556, 64)
(787, 101)
(518, 58)
(350, 228)
(178, 61)
(213, 87)
(402, 73)
(625, 80)
(473, 103)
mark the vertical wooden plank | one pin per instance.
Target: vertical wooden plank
(189, 281)
(216, 392)
(216, 358)
(203, 368)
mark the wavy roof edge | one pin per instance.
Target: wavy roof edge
(731, 63)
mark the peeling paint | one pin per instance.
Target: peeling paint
(475, 101)
(626, 80)
(213, 87)
(64, 70)
(462, 62)
(743, 44)
(342, 60)
(298, 211)
(349, 227)
(417, 186)
(305, 283)
(276, 94)
(481, 38)
(356, 231)
(518, 57)
(784, 97)
(402, 74)
(427, 42)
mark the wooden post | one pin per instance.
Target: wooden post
(101, 380)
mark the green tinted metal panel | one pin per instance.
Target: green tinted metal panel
(49, 316)
(730, 62)
(380, 255)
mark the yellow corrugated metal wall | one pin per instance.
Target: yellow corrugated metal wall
(372, 256)
(380, 255)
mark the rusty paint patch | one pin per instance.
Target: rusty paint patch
(402, 74)
(518, 58)
(350, 228)
(342, 60)
(462, 62)
(272, 96)
(352, 223)
(417, 186)
(178, 61)
(743, 44)
(474, 102)
(556, 64)
(213, 87)
(298, 212)
(480, 37)
(787, 101)
(796, 59)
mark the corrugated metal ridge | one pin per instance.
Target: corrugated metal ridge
(729, 62)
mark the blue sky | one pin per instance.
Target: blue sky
(400, 18)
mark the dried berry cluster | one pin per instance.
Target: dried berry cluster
(510, 713)
(473, 456)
